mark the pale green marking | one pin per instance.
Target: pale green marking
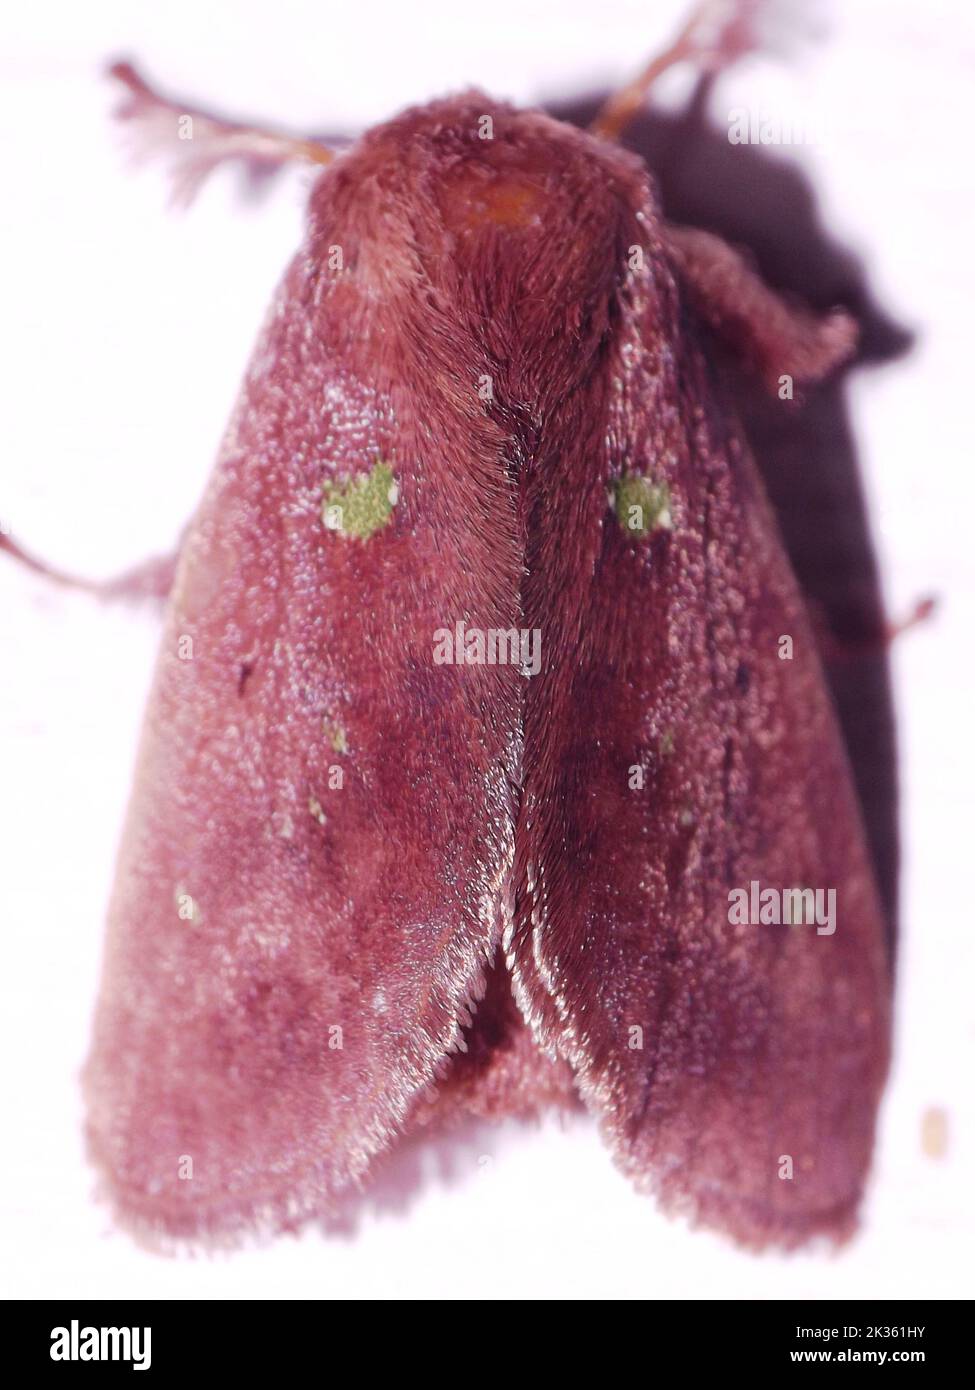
(641, 505)
(336, 736)
(667, 743)
(358, 507)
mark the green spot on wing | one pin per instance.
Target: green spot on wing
(336, 736)
(357, 507)
(641, 505)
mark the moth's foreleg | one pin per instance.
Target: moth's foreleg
(152, 579)
(779, 338)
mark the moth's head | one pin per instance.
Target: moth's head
(473, 188)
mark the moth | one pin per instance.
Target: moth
(486, 698)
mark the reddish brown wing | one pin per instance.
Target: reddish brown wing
(289, 959)
(672, 757)
(311, 880)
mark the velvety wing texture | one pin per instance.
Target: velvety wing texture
(311, 882)
(680, 747)
(478, 407)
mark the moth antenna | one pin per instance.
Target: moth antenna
(153, 579)
(718, 33)
(194, 142)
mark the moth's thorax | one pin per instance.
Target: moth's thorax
(499, 212)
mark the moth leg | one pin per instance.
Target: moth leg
(195, 142)
(778, 338)
(717, 33)
(152, 579)
(838, 651)
(922, 612)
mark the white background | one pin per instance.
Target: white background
(125, 332)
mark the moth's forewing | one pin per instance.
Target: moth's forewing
(316, 854)
(677, 751)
